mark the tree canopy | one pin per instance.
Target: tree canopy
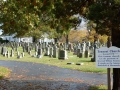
(22, 17)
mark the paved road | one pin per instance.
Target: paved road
(47, 77)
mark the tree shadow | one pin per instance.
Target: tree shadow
(6, 84)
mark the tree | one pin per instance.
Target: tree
(108, 16)
(103, 39)
(81, 35)
(24, 16)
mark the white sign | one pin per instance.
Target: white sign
(108, 57)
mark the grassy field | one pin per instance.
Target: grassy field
(4, 72)
(87, 67)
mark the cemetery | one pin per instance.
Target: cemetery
(49, 53)
(65, 36)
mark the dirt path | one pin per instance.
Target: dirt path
(33, 76)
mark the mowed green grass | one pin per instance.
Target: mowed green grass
(87, 67)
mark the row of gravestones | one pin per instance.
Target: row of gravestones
(81, 50)
(50, 51)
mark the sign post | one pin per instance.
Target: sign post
(109, 44)
(108, 58)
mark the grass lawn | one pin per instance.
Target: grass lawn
(4, 72)
(87, 67)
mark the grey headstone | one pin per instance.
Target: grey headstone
(62, 54)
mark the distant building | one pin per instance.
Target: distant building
(24, 39)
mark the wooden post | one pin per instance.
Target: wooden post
(109, 78)
(108, 69)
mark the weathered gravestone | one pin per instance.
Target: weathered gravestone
(22, 54)
(12, 53)
(8, 54)
(39, 54)
(36, 48)
(23, 47)
(75, 50)
(47, 53)
(86, 54)
(62, 54)
(55, 51)
(18, 53)
(78, 52)
(79, 63)
(4, 51)
(51, 52)
(81, 55)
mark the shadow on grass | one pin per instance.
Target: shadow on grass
(41, 85)
(85, 60)
(1, 77)
(98, 88)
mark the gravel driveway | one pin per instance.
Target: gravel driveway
(34, 76)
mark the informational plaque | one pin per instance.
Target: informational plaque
(108, 57)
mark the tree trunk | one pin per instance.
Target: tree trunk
(67, 40)
(34, 39)
(116, 78)
(116, 71)
(56, 40)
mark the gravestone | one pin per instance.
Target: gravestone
(18, 53)
(8, 54)
(95, 47)
(43, 46)
(36, 48)
(0, 49)
(69, 63)
(19, 56)
(75, 50)
(78, 52)
(30, 53)
(4, 51)
(81, 55)
(12, 53)
(39, 55)
(22, 54)
(27, 49)
(47, 53)
(79, 63)
(86, 53)
(55, 51)
(51, 52)
(36, 53)
(23, 48)
(62, 54)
